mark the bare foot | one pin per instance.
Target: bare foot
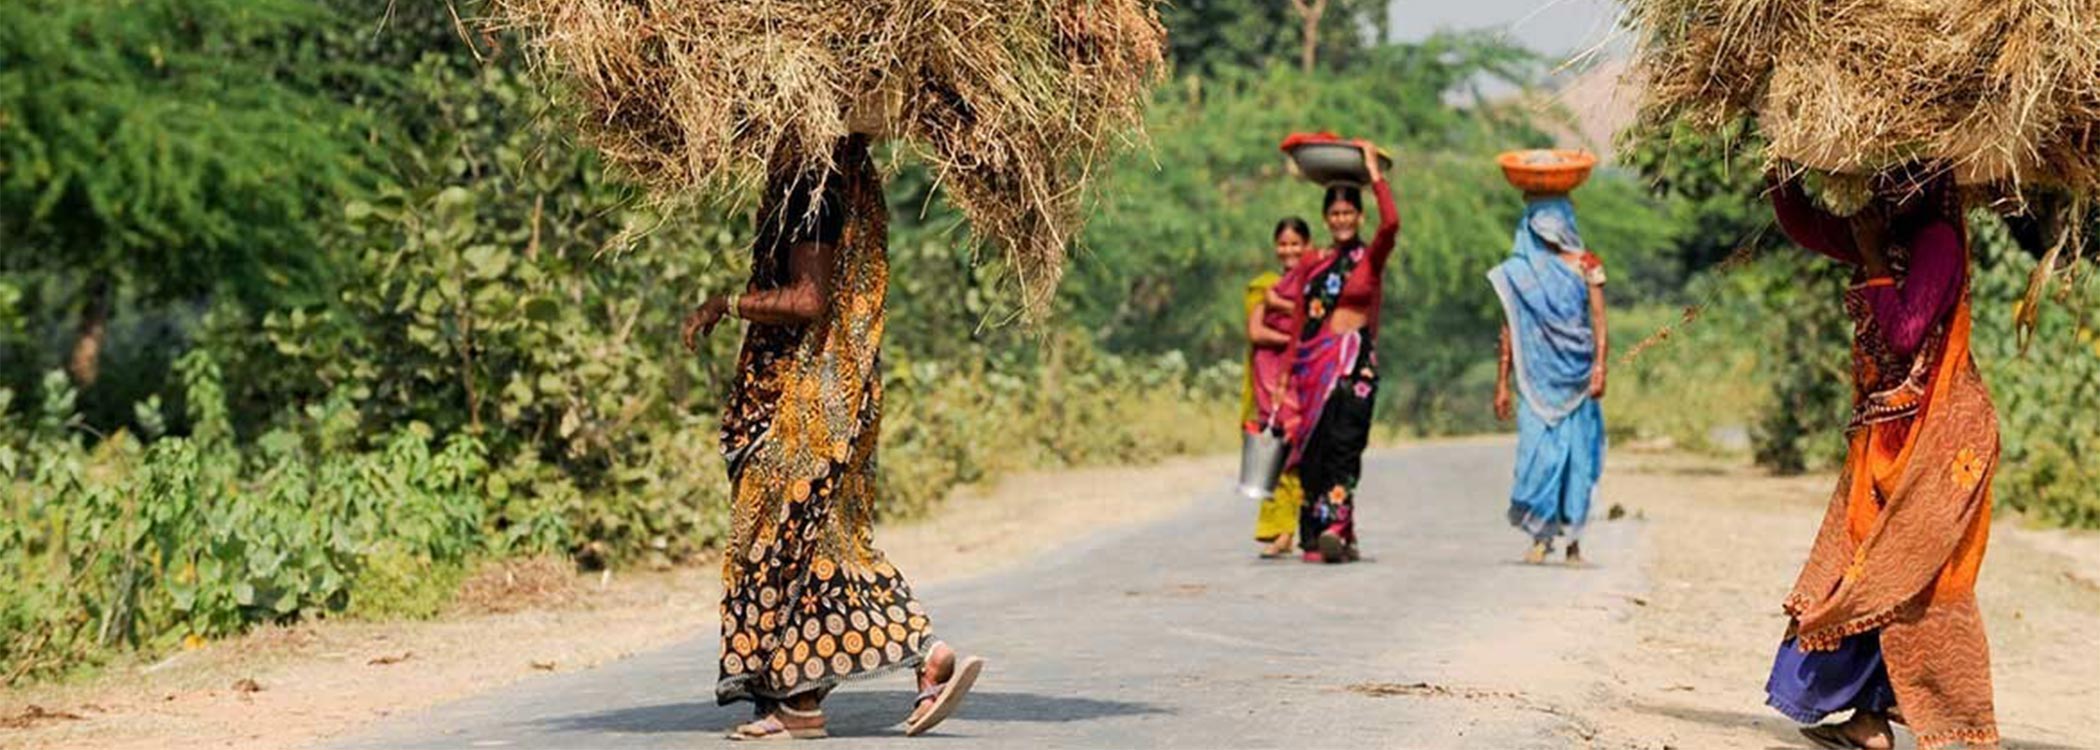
(1575, 553)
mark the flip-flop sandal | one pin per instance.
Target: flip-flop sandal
(1333, 549)
(772, 729)
(1830, 738)
(946, 697)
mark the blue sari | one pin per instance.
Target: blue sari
(1560, 429)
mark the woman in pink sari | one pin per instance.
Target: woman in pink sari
(1271, 300)
(1334, 376)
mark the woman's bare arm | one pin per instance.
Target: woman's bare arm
(1261, 335)
(1603, 333)
(1504, 401)
(1277, 302)
(804, 299)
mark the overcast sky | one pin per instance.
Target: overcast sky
(1554, 27)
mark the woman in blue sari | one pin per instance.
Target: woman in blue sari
(1552, 292)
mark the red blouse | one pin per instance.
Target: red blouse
(1365, 289)
(1906, 308)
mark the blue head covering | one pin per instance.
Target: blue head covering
(1547, 303)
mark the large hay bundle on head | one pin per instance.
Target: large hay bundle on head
(2004, 92)
(1011, 102)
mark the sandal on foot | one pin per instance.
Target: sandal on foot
(1333, 549)
(1830, 737)
(944, 698)
(1537, 554)
(773, 729)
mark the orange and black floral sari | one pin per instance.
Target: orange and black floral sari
(807, 601)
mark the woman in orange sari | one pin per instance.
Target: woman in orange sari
(1884, 618)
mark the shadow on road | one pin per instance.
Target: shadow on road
(871, 713)
(1772, 724)
(1784, 732)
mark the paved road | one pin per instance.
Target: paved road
(1173, 636)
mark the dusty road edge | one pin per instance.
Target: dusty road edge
(299, 685)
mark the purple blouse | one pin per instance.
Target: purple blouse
(1905, 308)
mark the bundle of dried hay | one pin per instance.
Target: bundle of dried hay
(1010, 102)
(2004, 92)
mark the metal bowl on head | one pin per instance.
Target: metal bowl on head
(1330, 161)
(1547, 171)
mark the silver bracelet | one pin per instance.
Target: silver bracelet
(734, 298)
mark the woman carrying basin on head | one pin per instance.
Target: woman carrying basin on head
(1334, 365)
(1553, 350)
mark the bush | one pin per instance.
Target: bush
(1771, 351)
(193, 537)
(2046, 396)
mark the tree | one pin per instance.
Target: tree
(169, 147)
(1717, 179)
(1207, 35)
(1310, 13)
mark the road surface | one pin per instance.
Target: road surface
(1173, 635)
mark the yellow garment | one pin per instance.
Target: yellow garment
(1257, 290)
(1279, 513)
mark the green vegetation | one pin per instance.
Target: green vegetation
(410, 327)
(174, 148)
(1767, 350)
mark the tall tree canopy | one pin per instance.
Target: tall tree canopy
(173, 147)
(1206, 35)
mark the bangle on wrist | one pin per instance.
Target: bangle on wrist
(734, 308)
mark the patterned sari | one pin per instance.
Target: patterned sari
(1333, 384)
(1894, 565)
(807, 601)
(1326, 412)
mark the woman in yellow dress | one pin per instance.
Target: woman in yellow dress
(1269, 306)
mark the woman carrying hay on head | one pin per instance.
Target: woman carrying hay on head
(1553, 347)
(1334, 367)
(1884, 613)
(1007, 104)
(808, 602)
(1271, 300)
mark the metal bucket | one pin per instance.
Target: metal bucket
(1261, 463)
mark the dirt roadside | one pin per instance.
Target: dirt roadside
(1724, 544)
(295, 686)
(1678, 662)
